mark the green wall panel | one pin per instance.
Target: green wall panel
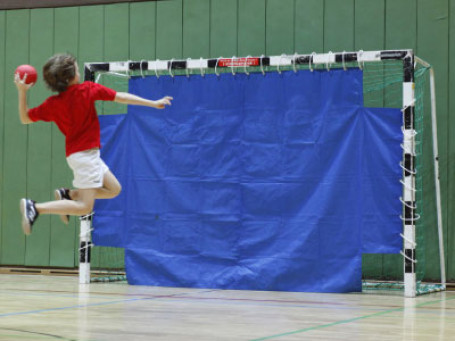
(450, 235)
(116, 32)
(15, 140)
(3, 79)
(169, 29)
(369, 25)
(251, 28)
(196, 28)
(63, 237)
(91, 34)
(339, 25)
(143, 31)
(369, 33)
(309, 26)
(280, 27)
(39, 139)
(223, 28)
(116, 46)
(401, 24)
(433, 22)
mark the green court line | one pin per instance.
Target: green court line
(322, 326)
(21, 337)
(32, 337)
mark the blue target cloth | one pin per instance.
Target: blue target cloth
(276, 182)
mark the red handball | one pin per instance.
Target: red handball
(32, 75)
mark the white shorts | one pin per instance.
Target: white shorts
(88, 169)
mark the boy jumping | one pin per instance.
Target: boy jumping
(73, 111)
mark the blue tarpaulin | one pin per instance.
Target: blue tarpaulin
(276, 182)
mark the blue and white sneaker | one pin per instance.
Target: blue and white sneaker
(29, 215)
(63, 194)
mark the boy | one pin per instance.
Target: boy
(73, 110)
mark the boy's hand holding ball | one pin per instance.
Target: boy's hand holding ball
(25, 77)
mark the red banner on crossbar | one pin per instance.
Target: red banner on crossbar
(236, 62)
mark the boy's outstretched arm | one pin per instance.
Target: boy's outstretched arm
(22, 89)
(127, 98)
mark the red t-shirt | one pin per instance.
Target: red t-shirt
(73, 110)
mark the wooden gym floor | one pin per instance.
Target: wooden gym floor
(56, 308)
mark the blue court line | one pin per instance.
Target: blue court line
(71, 307)
(92, 305)
(208, 300)
(47, 294)
(91, 295)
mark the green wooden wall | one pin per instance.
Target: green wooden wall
(32, 158)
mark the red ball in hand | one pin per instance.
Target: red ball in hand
(32, 75)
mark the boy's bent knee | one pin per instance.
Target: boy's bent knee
(84, 211)
(84, 208)
(117, 190)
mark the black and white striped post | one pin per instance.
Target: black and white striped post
(409, 216)
(85, 245)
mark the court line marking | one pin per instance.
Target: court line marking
(72, 294)
(223, 300)
(79, 295)
(267, 303)
(233, 301)
(187, 296)
(37, 311)
(322, 326)
(90, 295)
(77, 306)
(34, 335)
